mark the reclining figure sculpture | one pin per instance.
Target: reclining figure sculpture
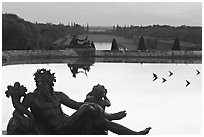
(40, 112)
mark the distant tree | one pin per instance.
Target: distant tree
(93, 45)
(176, 45)
(87, 28)
(13, 33)
(119, 30)
(114, 30)
(185, 33)
(114, 46)
(141, 45)
(18, 34)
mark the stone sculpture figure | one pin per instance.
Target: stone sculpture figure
(19, 123)
(46, 115)
(98, 95)
(74, 42)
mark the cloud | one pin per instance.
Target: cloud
(109, 13)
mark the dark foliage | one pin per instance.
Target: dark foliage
(141, 45)
(18, 34)
(165, 32)
(176, 45)
(114, 45)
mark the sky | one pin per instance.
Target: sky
(109, 13)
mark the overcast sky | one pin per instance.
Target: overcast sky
(109, 13)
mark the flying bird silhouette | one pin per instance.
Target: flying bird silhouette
(170, 73)
(154, 77)
(164, 80)
(198, 72)
(188, 83)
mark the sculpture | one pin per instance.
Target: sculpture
(98, 96)
(19, 123)
(83, 43)
(46, 115)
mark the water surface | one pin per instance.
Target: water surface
(169, 108)
(102, 45)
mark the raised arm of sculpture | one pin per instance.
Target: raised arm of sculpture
(65, 100)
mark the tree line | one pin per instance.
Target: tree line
(18, 34)
(163, 32)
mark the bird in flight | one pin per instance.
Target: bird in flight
(164, 80)
(198, 72)
(188, 83)
(170, 73)
(154, 77)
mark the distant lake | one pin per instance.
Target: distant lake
(102, 45)
(169, 108)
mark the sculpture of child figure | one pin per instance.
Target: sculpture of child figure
(98, 96)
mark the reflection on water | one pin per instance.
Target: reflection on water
(74, 68)
(82, 65)
(169, 107)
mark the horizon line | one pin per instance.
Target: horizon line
(141, 25)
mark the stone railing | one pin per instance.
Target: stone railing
(35, 56)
